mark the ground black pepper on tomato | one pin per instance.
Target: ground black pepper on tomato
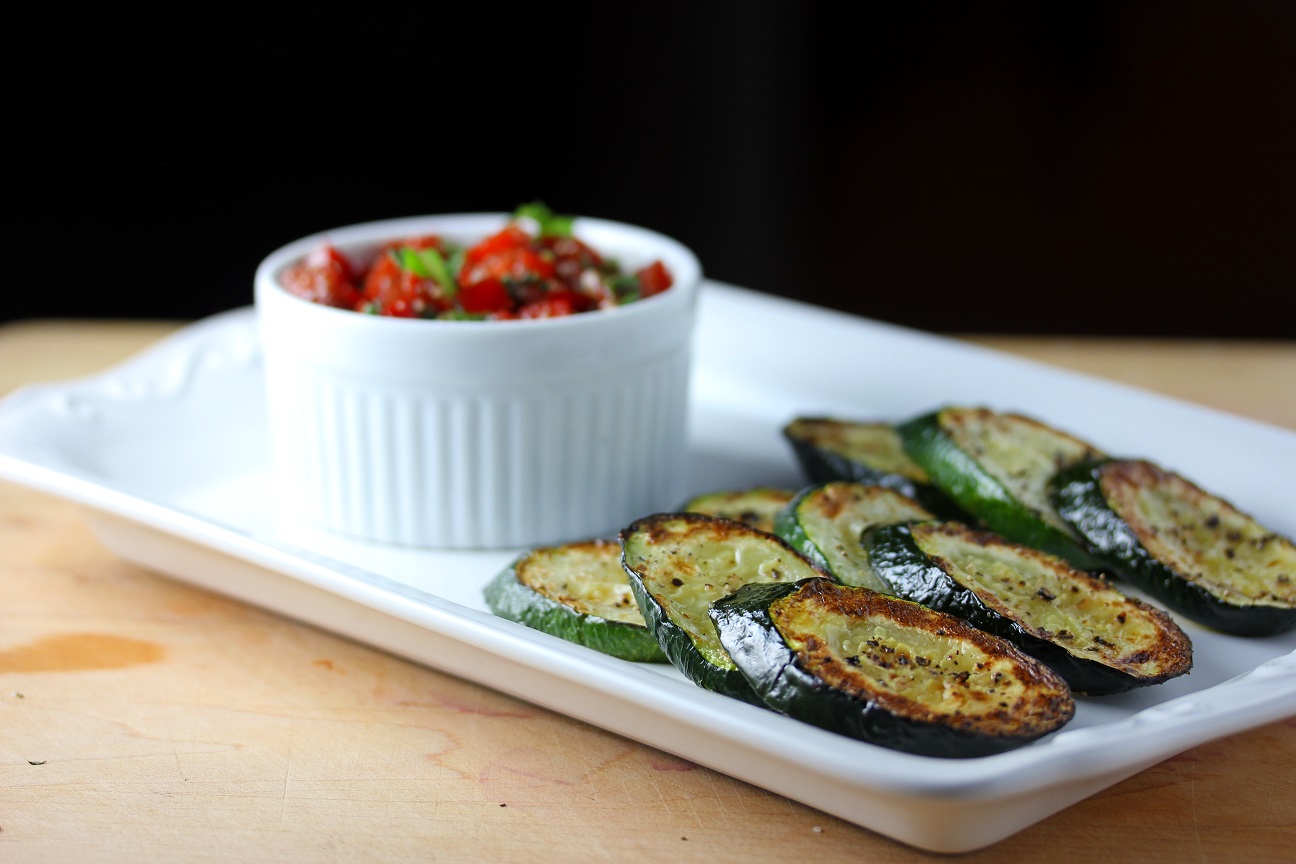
(533, 268)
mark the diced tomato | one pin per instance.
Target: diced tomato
(329, 256)
(486, 296)
(653, 279)
(510, 274)
(512, 237)
(556, 304)
(393, 290)
(510, 254)
(516, 264)
(325, 276)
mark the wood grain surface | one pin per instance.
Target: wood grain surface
(143, 720)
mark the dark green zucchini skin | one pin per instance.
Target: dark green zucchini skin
(822, 465)
(753, 640)
(508, 598)
(976, 492)
(915, 576)
(1078, 497)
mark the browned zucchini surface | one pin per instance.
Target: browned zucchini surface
(887, 670)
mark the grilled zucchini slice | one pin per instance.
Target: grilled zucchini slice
(825, 523)
(578, 592)
(888, 671)
(756, 507)
(679, 564)
(997, 467)
(871, 453)
(1097, 638)
(1192, 550)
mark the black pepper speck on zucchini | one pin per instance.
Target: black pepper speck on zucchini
(1097, 638)
(679, 564)
(825, 523)
(578, 592)
(997, 467)
(1192, 550)
(888, 671)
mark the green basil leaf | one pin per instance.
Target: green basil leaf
(626, 287)
(550, 224)
(428, 264)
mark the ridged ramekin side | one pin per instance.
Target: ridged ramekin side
(389, 462)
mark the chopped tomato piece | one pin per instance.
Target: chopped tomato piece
(517, 263)
(653, 279)
(486, 296)
(328, 256)
(392, 290)
(512, 237)
(510, 274)
(325, 276)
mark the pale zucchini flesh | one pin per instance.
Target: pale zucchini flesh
(1203, 537)
(826, 522)
(587, 577)
(998, 466)
(1021, 453)
(681, 563)
(578, 592)
(874, 446)
(756, 507)
(868, 452)
(1114, 642)
(1192, 550)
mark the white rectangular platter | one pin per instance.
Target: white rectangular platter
(169, 453)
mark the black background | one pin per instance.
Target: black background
(1097, 169)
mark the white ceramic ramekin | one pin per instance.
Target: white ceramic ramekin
(479, 434)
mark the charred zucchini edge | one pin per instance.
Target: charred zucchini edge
(1078, 496)
(761, 651)
(915, 575)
